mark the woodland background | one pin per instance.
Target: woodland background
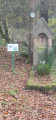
(17, 102)
(14, 18)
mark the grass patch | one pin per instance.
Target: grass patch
(3, 103)
(54, 96)
(0, 68)
(6, 66)
(26, 107)
(11, 93)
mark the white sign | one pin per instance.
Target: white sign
(32, 14)
(12, 47)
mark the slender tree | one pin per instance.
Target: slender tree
(6, 31)
(1, 32)
(31, 26)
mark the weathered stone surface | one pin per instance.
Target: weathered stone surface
(42, 41)
(42, 27)
(35, 57)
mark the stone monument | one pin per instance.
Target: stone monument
(42, 41)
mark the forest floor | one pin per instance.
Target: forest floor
(16, 102)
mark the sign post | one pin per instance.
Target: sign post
(13, 61)
(12, 48)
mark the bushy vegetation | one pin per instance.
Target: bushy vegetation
(24, 51)
(45, 69)
(2, 42)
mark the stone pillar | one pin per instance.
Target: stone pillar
(35, 58)
(34, 43)
(35, 53)
(49, 45)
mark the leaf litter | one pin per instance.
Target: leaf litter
(22, 104)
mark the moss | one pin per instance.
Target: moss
(45, 88)
(51, 22)
(32, 73)
(40, 49)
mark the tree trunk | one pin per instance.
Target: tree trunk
(6, 31)
(31, 26)
(44, 9)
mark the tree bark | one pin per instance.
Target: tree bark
(31, 26)
(6, 31)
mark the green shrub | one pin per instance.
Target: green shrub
(43, 69)
(24, 51)
(27, 59)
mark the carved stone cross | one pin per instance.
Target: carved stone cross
(42, 38)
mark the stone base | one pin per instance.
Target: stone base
(34, 67)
